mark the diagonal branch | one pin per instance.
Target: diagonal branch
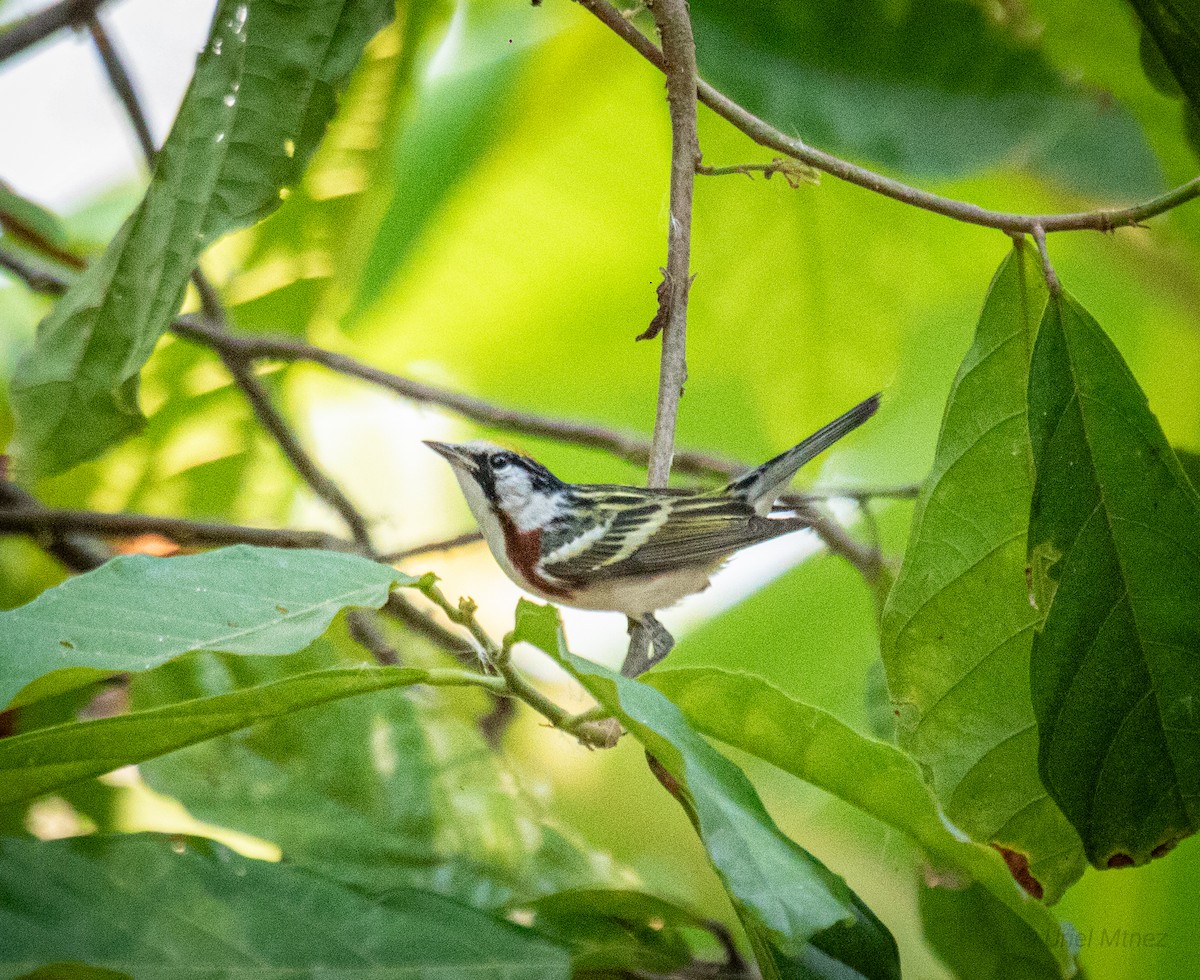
(240, 368)
(37, 27)
(767, 135)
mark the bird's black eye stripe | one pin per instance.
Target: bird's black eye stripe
(500, 460)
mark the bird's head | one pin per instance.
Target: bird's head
(494, 480)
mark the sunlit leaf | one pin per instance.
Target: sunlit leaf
(799, 915)
(45, 759)
(1114, 547)
(264, 88)
(958, 625)
(374, 791)
(136, 612)
(151, 907)
(758, 718)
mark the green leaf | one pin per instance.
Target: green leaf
(958, 626)
(900, 84)
(978, 938)
(799, 915)
(375, 791)
(262, 93)
(459, 109)
(157, 907)
(1114, 546)
(752, 715)
(20, 216)
(617, 930)
(45, 759)
(136, 612)
(1174, 28)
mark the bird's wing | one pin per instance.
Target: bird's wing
(664, 534)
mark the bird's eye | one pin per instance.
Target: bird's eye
(500, 461)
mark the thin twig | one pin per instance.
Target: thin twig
(33, 520)
(1052, 283)
(122, 85)
(78, 552)
(767, 135)
(499, 657)
(795, 173)
(37, 27)
(431, 547)
(624, 445)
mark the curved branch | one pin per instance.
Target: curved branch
(767, 135)
(37, 27)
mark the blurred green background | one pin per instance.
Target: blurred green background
(489, 213)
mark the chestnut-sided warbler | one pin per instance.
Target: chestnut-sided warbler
(633, 550)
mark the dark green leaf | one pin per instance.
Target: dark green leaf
(617, 930)
(979, 938)
(136, 612)
(904, 85)
(156, 907)
(20, 216)
(958, 626)
(1114, 546)
(800, 916)
(1173, 27)
(263, 91)
(748, 713)
(47, 758)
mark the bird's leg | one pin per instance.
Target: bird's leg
(649, 643)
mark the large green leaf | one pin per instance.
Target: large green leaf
(45, 759)
(375, 791)
(1114, 546)
(150, 907)
(136, 612)
(958, 625)
(1174, 27)
(264, 88)
(748, 713)
(901, 83)
(802, 919)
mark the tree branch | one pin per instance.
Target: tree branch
(767, 135)
(122, 85)
(679, 53)
(624, 445)
(76, 552)
(28, 518)
(37, 27)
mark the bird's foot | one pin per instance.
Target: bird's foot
(650, 642)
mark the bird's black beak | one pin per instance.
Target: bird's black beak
(454, 455)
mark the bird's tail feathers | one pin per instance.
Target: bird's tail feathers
(767, 481)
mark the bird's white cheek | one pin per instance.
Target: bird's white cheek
(535, 511)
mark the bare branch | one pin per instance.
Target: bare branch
(122, 85)
(28, 518)
(794, 172)
(43, 24)
(366, 632)
(624, 445)
(767, 135)
(77, 552)
(679, 53)
(1052, 283)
